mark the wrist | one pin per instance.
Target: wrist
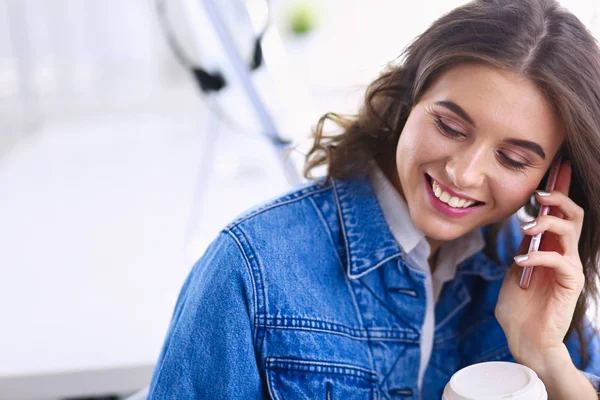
(545, 363)
(560, 376)
(552, 363)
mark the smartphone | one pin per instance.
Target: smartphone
(537, 238)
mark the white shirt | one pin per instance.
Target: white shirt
(417, 250)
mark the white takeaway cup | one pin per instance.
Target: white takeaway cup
(494, 381)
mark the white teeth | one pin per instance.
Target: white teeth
(452, 201)
(445, 197)
(468, 203)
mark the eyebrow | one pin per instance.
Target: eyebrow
(455, 108)
(458, 110)
(536, 148)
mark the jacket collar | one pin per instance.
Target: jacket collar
(368, 241)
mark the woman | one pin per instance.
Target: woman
(378, 281)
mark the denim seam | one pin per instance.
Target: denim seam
(440, 339)
(349, 283)
(271, 385)
(346, 281)
(295, 196)
(249, 268)
(326, 225)
(472, 327)
(458, 308)
(340, 216)
(387, 307)
(393, 365)
(293, 323)
(257, 280)
(320, 367)
(342, 226)
(374, 267)
(383, 394)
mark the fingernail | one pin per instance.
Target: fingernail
(543, 193)
(529, 225)
(522, 258)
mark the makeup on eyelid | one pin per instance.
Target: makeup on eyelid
(450, 128)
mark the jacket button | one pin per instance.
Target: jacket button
(405, 392)
(405, 291)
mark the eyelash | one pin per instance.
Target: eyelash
(511, 163)
(453, 133)
(449, 131)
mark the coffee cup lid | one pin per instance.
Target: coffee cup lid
(495, 380)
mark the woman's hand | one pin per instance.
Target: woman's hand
(536, 320)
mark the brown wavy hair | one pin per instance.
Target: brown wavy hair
(535, 38)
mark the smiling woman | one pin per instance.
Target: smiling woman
(473, 134)
(477, 110)
(382, 279)
(502, 94)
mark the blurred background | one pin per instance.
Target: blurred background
(131, 132)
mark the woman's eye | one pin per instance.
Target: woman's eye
(448, 130)
(506, 160)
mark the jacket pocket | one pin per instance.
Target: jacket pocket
(304, 379)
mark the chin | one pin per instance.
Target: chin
(437, 230)
(443, 237)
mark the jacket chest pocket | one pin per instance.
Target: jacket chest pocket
(314, 380)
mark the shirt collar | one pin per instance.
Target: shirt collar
(395, 211)
(456, 251)
(369, 242)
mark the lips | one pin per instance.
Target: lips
(445, 208)
(448, 196)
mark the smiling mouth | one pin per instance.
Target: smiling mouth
(450, 199)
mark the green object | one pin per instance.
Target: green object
(303, 18)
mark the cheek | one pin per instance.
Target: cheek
(421, 143)
(414, 141)
(512, 193)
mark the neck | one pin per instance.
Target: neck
(434, 245)
(389, 171)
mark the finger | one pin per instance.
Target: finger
(567, 231)
(561, 202)
(569, 275)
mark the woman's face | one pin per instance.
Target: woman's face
(474, 149)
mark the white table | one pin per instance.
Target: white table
(94, 219)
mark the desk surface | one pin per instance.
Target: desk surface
(95, 218)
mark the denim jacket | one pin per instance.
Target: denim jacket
(310, 297)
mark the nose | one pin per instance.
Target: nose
(467, 168)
